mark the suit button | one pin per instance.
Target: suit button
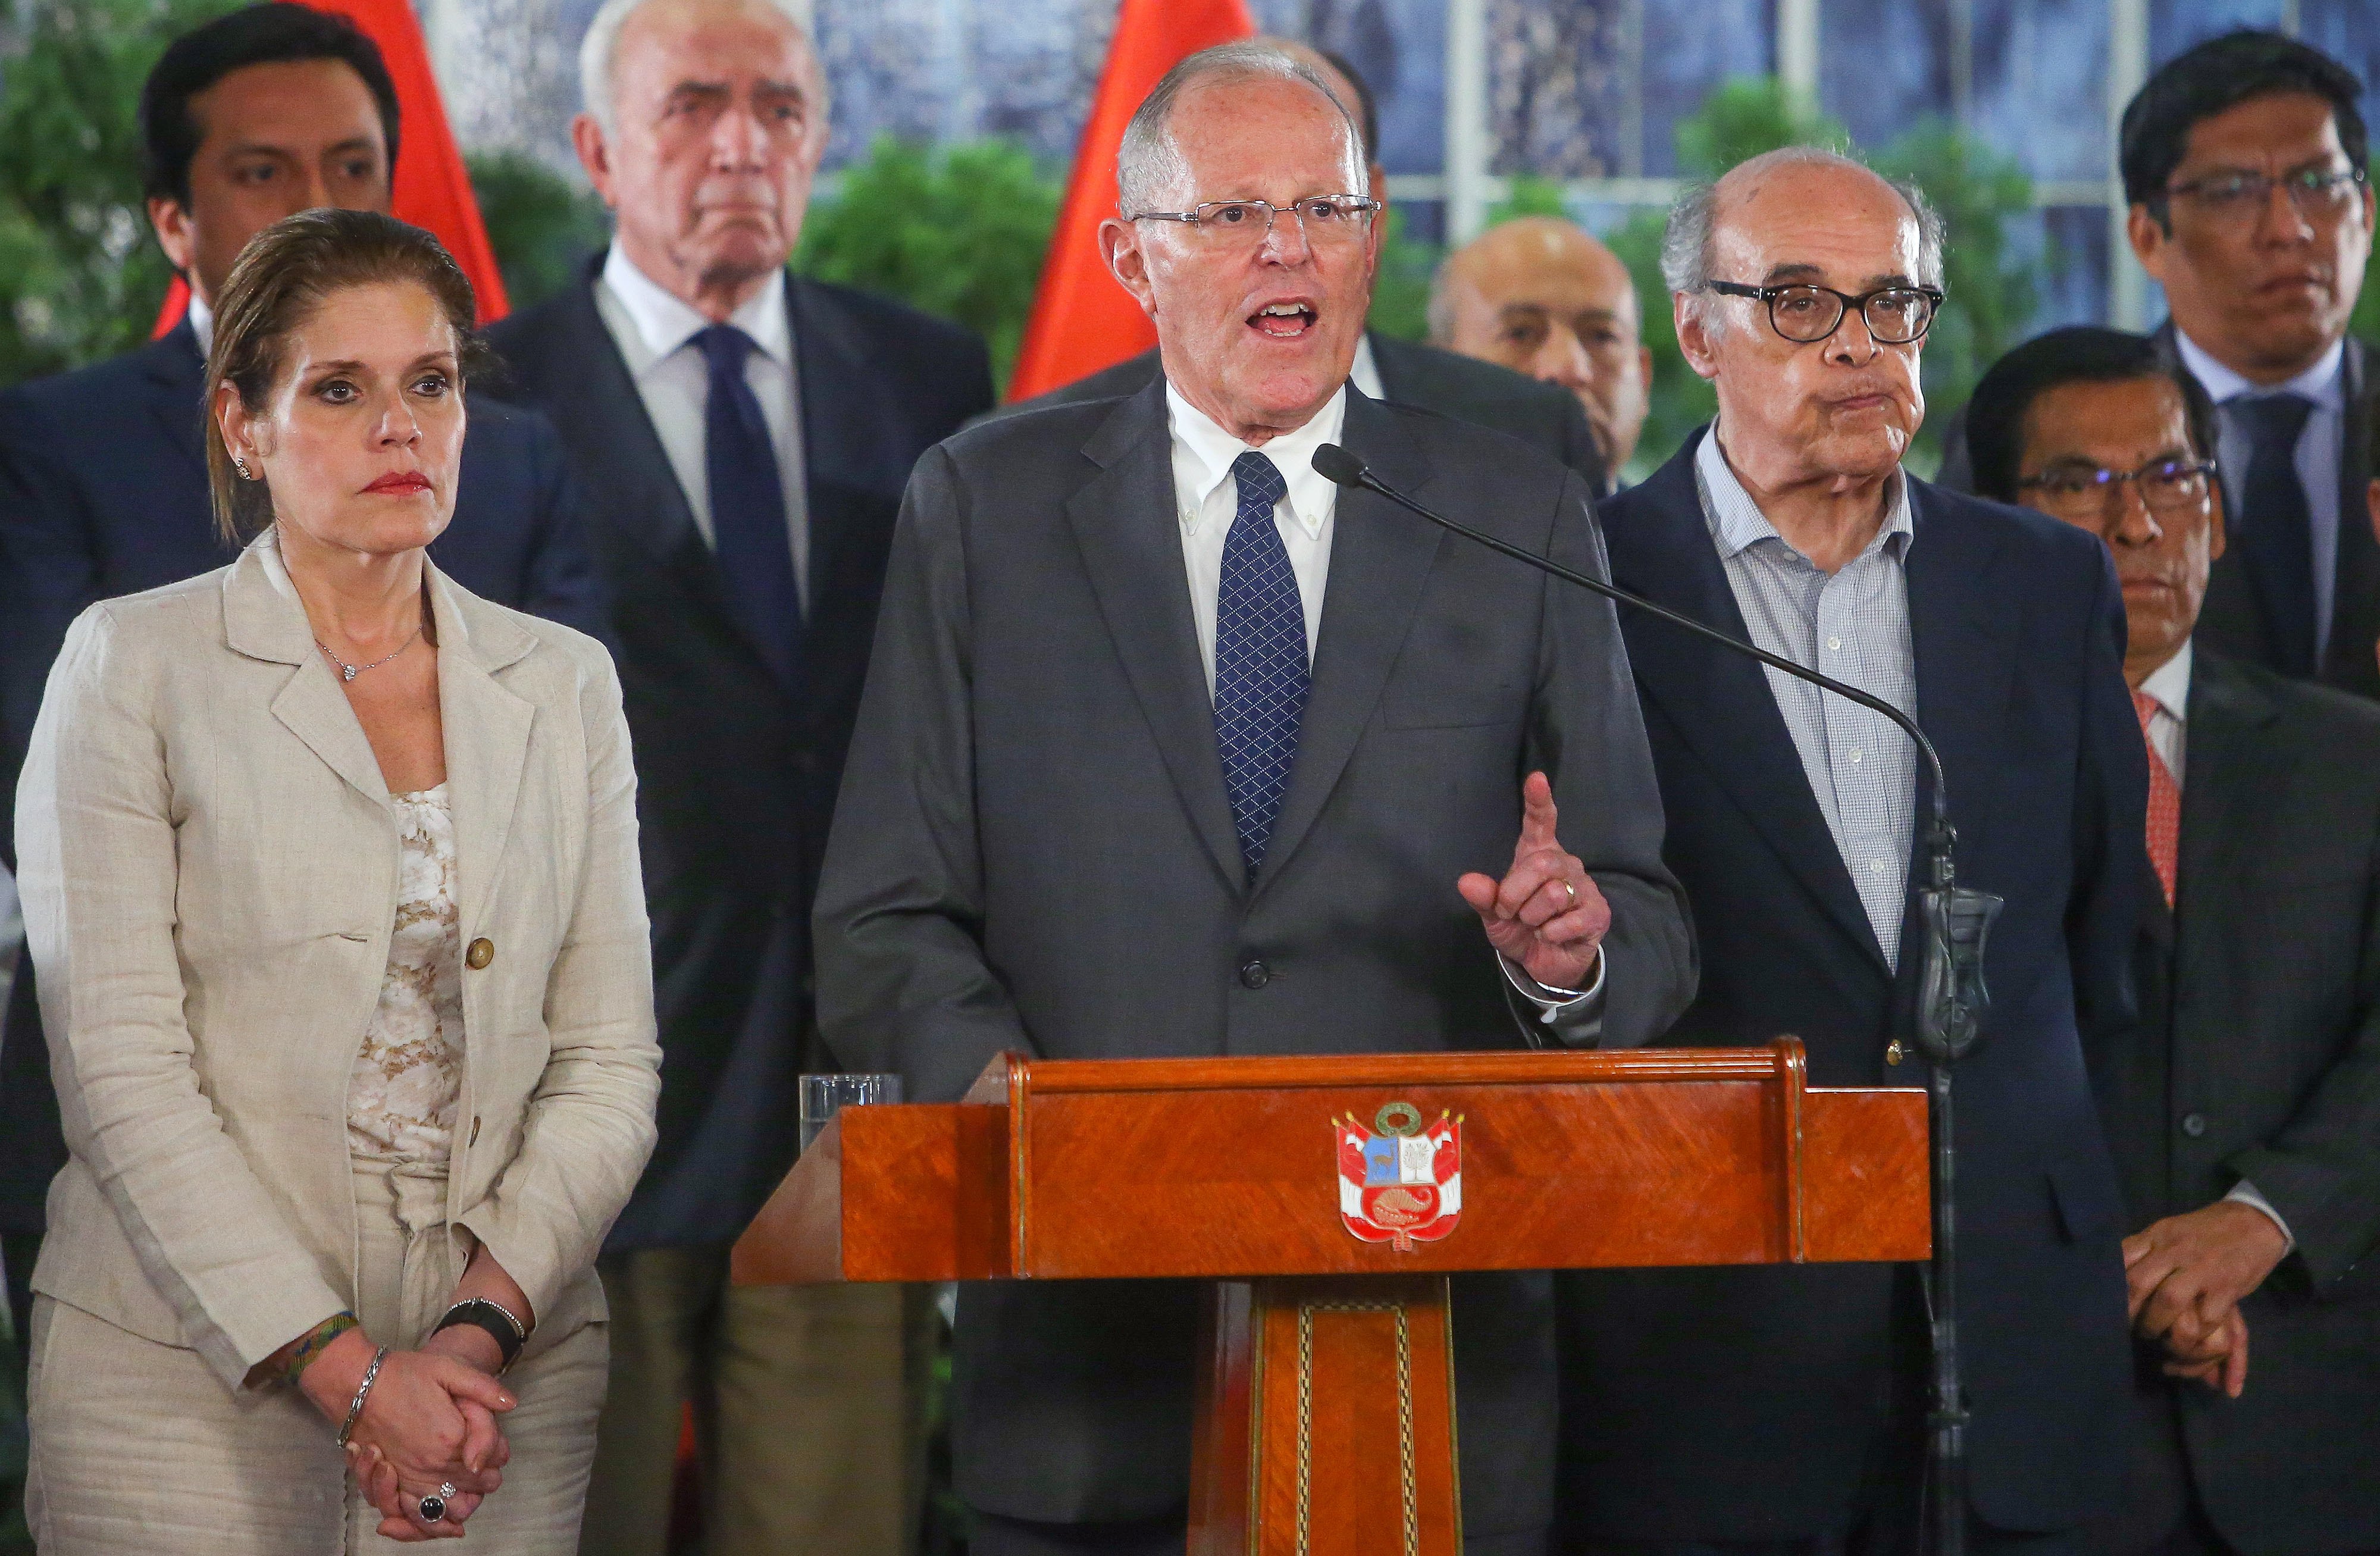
(2193, 1125)
(1254, 974)
(481, 953)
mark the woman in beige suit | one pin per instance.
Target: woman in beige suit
(330, 873)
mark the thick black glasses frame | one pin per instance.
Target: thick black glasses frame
(1933, 296)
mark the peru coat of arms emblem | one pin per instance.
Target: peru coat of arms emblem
(1400, 1181)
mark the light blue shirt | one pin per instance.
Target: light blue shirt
(1853, 624)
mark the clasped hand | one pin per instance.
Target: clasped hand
(2185, 1278)
(429, 1422)
(1545, 916)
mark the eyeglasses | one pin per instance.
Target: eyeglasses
(1806, 314)
(2171, 487)
(2320, 194)
(1244, 224)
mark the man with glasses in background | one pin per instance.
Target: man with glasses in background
(1780, 1411)
(2243, 160)
(2244, 1109)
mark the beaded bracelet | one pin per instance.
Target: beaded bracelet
(313, 1343)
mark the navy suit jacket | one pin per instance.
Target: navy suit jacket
(736, 775)
(1744, 1403)
(103, 491)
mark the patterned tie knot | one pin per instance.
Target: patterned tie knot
(2146, 707)
(2273, 421)
(1260, 479)
(725, 347)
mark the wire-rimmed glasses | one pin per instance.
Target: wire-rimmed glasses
(2319, 194)
(1807, 314)
(2170, 488)
(1244, 224)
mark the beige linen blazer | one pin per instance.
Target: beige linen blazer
(209, 867)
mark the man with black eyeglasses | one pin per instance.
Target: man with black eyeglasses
(2244, 161)
(2244, 1109)
(1779, 1411)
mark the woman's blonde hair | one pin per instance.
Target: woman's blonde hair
(286, 273)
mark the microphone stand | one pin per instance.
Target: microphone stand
(1951, 997)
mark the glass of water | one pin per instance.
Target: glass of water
(825, 1096)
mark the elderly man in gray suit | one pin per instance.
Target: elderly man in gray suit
(1171, 748)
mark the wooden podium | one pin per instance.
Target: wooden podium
(1326, 1199)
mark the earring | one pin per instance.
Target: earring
(241, 465)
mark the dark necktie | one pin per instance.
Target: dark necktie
(1260, 675)
(747, 506)
(2275, 528)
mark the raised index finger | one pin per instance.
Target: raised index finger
(1538, 815)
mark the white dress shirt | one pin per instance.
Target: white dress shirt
(203, 324)
(1206, 503)
(2317, 455)
(1365, 373)
(2169, 733)
(654, 330)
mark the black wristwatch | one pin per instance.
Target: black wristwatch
(495, 1317)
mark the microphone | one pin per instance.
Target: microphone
(1951, 997)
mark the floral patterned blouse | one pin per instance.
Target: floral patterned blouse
(408, 1077)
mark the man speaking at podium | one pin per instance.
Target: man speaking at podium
(1171, 748)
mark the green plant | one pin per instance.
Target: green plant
(80, 277)
(957, 231)
(540, 224)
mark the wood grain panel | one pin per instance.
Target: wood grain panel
(1871, 1201)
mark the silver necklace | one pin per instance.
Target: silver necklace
(349, 672)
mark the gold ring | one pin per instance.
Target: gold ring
(1571, 890)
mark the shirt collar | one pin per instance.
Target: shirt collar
(2323, 382)
(664, 321)
(203, 324)
(1365, 372)
(1737, 523)
(2168, 685)
(1213, 450)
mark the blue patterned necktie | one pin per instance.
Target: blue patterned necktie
(1260, 675)
(747, 505)
(2275, 527)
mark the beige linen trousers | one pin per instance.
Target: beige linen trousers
(209, 867)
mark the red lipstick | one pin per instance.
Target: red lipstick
(400, 483)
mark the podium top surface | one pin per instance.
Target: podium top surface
(1356, 1164)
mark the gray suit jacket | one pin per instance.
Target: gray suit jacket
(1033, 851)
(2258, 1057)
(1544, 416)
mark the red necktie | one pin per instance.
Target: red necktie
(2165, 803)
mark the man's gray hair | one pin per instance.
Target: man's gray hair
(1694, 218)
(598, 51)
(1147, 161)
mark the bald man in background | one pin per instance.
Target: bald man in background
(1540, 296)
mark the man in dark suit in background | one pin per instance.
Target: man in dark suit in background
(1545, 415)
(2244, 159)
(1171, 746)
(1779, 1411)
(743, 436)
(2244, 1110)
(251, 118)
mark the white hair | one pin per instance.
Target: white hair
(1694, 218)
(598, 50)
(1147, 161)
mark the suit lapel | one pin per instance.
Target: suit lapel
(176, 375)
(1380, 557)
(2355, 599)
(263, 619)
(1961, 631)
(629, 473)
(1720, 701)
(1126, 526)
(2228, 768)
(487, 733)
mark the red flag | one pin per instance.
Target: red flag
(1083, 319)
(431, 188)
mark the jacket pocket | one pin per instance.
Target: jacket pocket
(2084, 1192)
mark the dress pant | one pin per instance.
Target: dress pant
(809, 1409)
(139, 1449)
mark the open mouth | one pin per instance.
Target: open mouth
(1283, 320)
